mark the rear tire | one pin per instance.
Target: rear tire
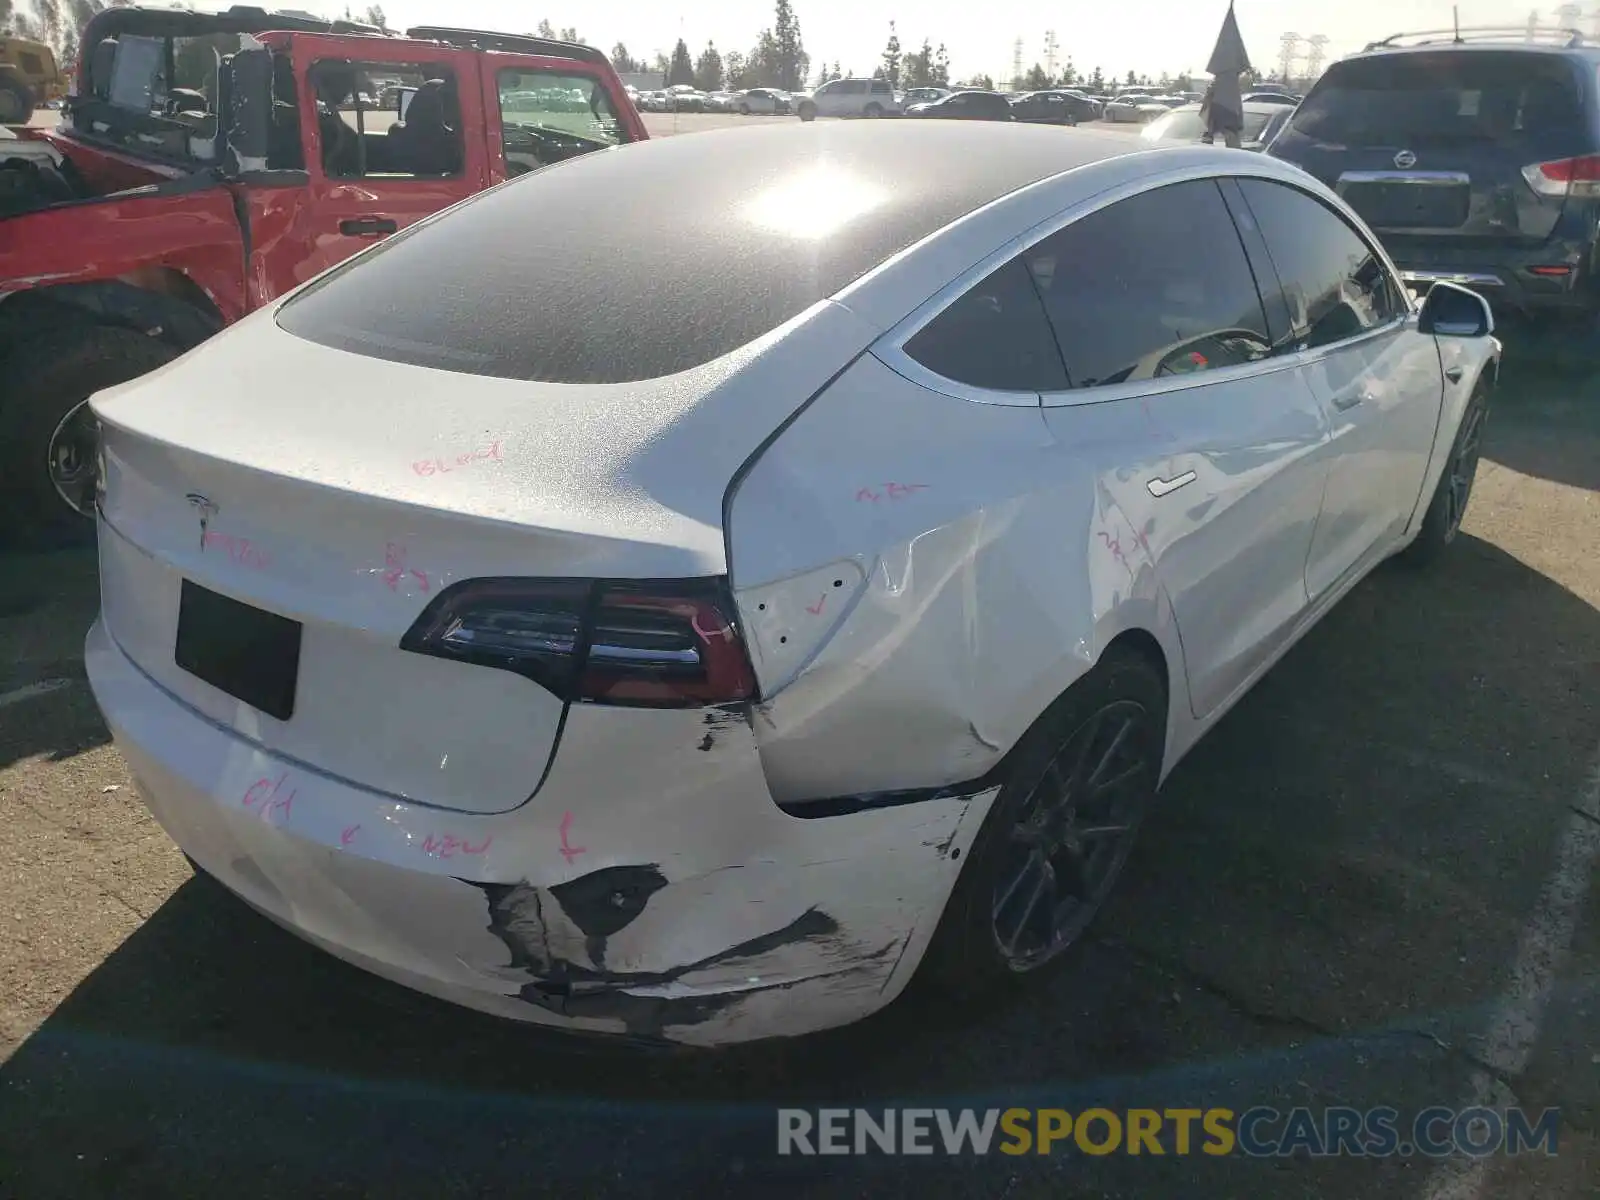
(1060, 757)
(1442, 521)
(808, 112)
(744, 110)
(874, 111)
(48, 451)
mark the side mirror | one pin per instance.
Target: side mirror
(1450, 310)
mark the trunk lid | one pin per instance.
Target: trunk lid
(344, 492)
(1435, 144)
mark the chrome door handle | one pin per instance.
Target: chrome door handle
(1161, 487)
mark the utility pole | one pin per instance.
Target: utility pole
(1016, 66)
(1050, 47)
(1288, 49)
(1318, 43)
(1533, 24)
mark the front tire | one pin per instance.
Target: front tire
(874, 111)
(48, 456)
(744, 110)
(1075, 792)
(1446, 510)
(808, 112)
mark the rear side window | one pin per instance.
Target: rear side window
(1184, 126)
(1511, 99)
(995, 336)
(1153, 286)
(362, 131)
(1335, 285)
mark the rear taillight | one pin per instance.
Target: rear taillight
(1565, 176)
(667, 644)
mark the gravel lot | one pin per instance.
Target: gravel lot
(1357, 891)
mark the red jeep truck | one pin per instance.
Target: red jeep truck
(210, 162)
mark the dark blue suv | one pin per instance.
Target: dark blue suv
(1474, 155)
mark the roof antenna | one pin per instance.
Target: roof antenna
(1455, 14)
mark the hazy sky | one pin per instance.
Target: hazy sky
(1145, 35)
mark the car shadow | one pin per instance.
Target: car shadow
(1320, 911)
(47, 603)
(1546, 422)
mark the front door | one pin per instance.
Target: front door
(370, 173)
(1376, 377)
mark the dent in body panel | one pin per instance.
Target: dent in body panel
(996, 569)
(1229, 547)
(658, 893)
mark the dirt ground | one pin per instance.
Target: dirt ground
(1368, 886)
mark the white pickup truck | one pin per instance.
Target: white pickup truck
(849, 98)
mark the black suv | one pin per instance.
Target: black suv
(1474, 155)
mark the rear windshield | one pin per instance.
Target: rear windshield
(643, 261)
(1186, 125)
(1442, 99)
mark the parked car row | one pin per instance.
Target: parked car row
(683, 97)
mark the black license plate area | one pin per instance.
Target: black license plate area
(1410, 205)
(252, 655)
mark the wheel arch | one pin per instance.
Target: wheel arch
(158, 301)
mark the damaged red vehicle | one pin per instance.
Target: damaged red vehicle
(210, 162)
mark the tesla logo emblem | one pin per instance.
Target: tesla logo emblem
(206, 509)
(1405, 160)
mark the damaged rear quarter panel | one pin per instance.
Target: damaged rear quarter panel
(988, 588)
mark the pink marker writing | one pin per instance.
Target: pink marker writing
(395, 569)
(348, 834)
(240, 551)
(445, 846)
(438, 465)
(894, 491)
(266, 796)
(569, 851)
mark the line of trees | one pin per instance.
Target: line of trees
(777, 60)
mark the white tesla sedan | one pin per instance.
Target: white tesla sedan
(700, 672)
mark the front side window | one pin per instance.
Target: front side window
(1151, 286)
(548, 116)
(995, 337)
(1335, 285)
(387, 119)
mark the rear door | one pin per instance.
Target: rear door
(1217, 476)
(371, 174)
(1439, 145)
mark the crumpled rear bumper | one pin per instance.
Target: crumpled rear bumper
(651, 888)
